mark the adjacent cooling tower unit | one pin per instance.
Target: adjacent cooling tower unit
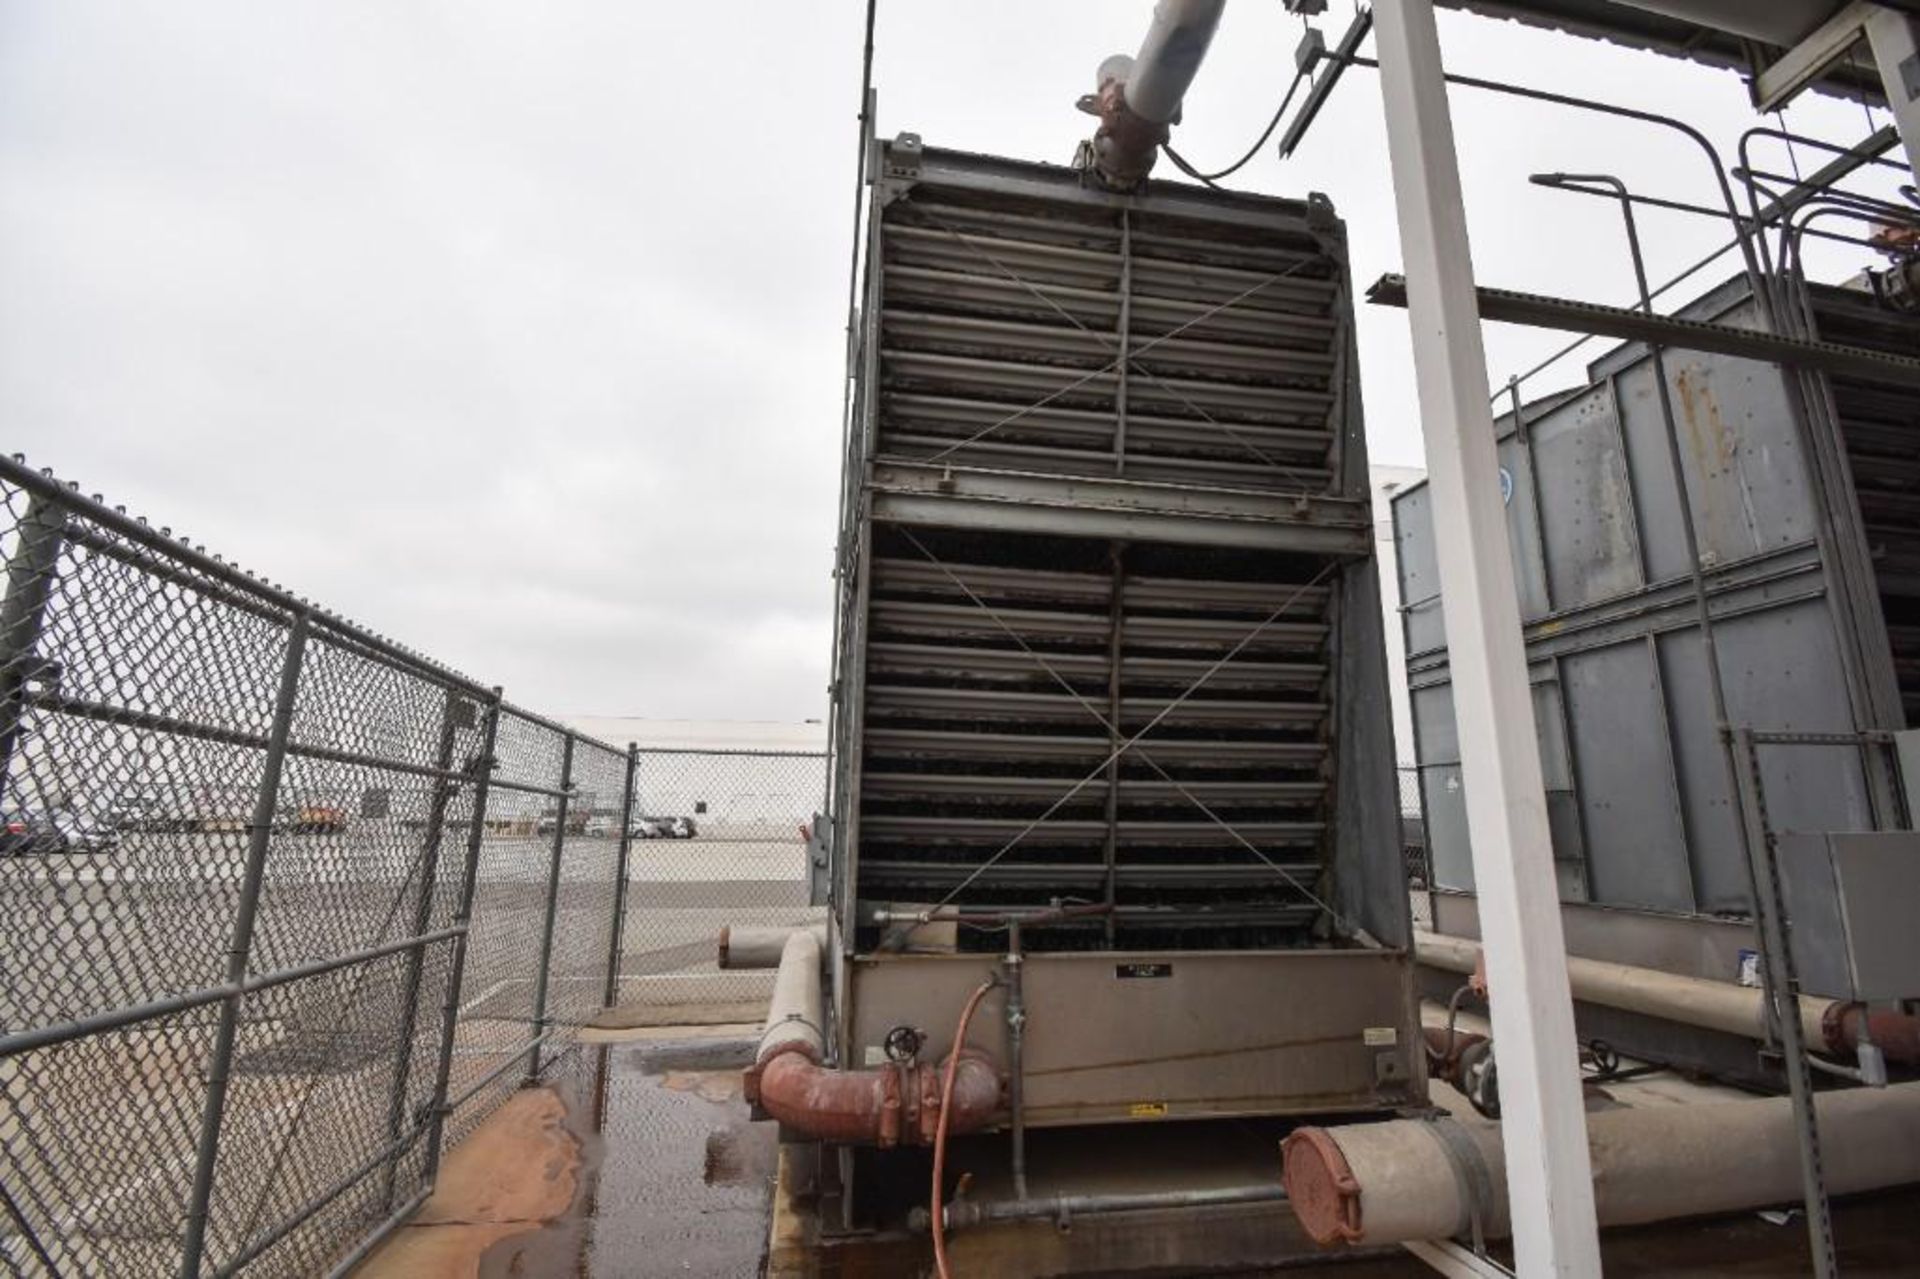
(1109, 656)
(1805, 493)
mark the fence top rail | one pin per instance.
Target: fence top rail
(43, 484)
(750, 754)
(555, 726)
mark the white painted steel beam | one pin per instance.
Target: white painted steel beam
(1810, 57)
(1548, 1178)
(1895, 40)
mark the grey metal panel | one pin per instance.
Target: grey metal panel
(1783, 674)
(1586, 504)
(1100, 1043)
(1523, 527)
(1721, 879)
(1444, 796)
(1635, 841)
(1414, 558)
(1433, 724)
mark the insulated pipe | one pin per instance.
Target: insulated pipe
(886, 1106)
(1170, 57)
(1415, 1179)
(1137, 98)
(759, 947)
(1696, 1001)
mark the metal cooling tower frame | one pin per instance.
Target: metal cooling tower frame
(1110, 661)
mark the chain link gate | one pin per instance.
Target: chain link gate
(285, 909)
(719, 842)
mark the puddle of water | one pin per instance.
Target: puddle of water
(681, 1179)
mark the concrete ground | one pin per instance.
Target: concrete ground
(641, 1161)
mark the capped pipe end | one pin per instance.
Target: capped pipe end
(1321, 1187)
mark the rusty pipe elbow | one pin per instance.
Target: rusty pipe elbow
(885, 1106)
(1896, 1034)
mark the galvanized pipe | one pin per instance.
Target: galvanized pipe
(482, 767)
(617, 943)
(239, 950)
(1415, 1179)
(1011, 976)
(543, 978)
(1064, 1208)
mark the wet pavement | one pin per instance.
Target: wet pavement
(680, 1182)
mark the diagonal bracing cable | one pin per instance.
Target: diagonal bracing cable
(1130, 742)
(1140, 753)
(1113, 365)
(1133, 365)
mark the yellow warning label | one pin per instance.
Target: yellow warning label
(1380, 1036)
(1148, 1110)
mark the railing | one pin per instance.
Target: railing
(285, 908)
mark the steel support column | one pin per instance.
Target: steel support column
(617, 943)
(1895, 41)
(1549, 1180)
(481, 768)
(542, 986)
(239, 949)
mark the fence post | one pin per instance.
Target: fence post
(618, 942)
(456, 708)
(31, 572)
(259, 841)
(543, 980)
(482, 770)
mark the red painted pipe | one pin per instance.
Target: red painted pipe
(885, 1106)
(1895, 1034)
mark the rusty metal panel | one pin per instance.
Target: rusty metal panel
(1152, 1036)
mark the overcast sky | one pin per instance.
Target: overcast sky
(515, 330)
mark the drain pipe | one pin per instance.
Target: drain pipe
(1412, 1179)
(896, 1104)
(1138, 98)
(1844, 1027)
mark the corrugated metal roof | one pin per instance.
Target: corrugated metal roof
(1675, 37)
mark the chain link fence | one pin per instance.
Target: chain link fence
(720, 842)
(1413, 846)
(285, 909)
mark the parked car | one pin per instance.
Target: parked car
(647, 828)
(681, 828)
(319, 819)
(664, 828)
(599, 828)
(28, 832)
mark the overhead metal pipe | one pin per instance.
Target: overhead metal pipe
(1409, 1180)
(1835, 1024)
(1138, 98)
(897, 1104)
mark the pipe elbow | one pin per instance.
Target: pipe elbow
(886, 1106)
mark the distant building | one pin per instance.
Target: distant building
(703, 734)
